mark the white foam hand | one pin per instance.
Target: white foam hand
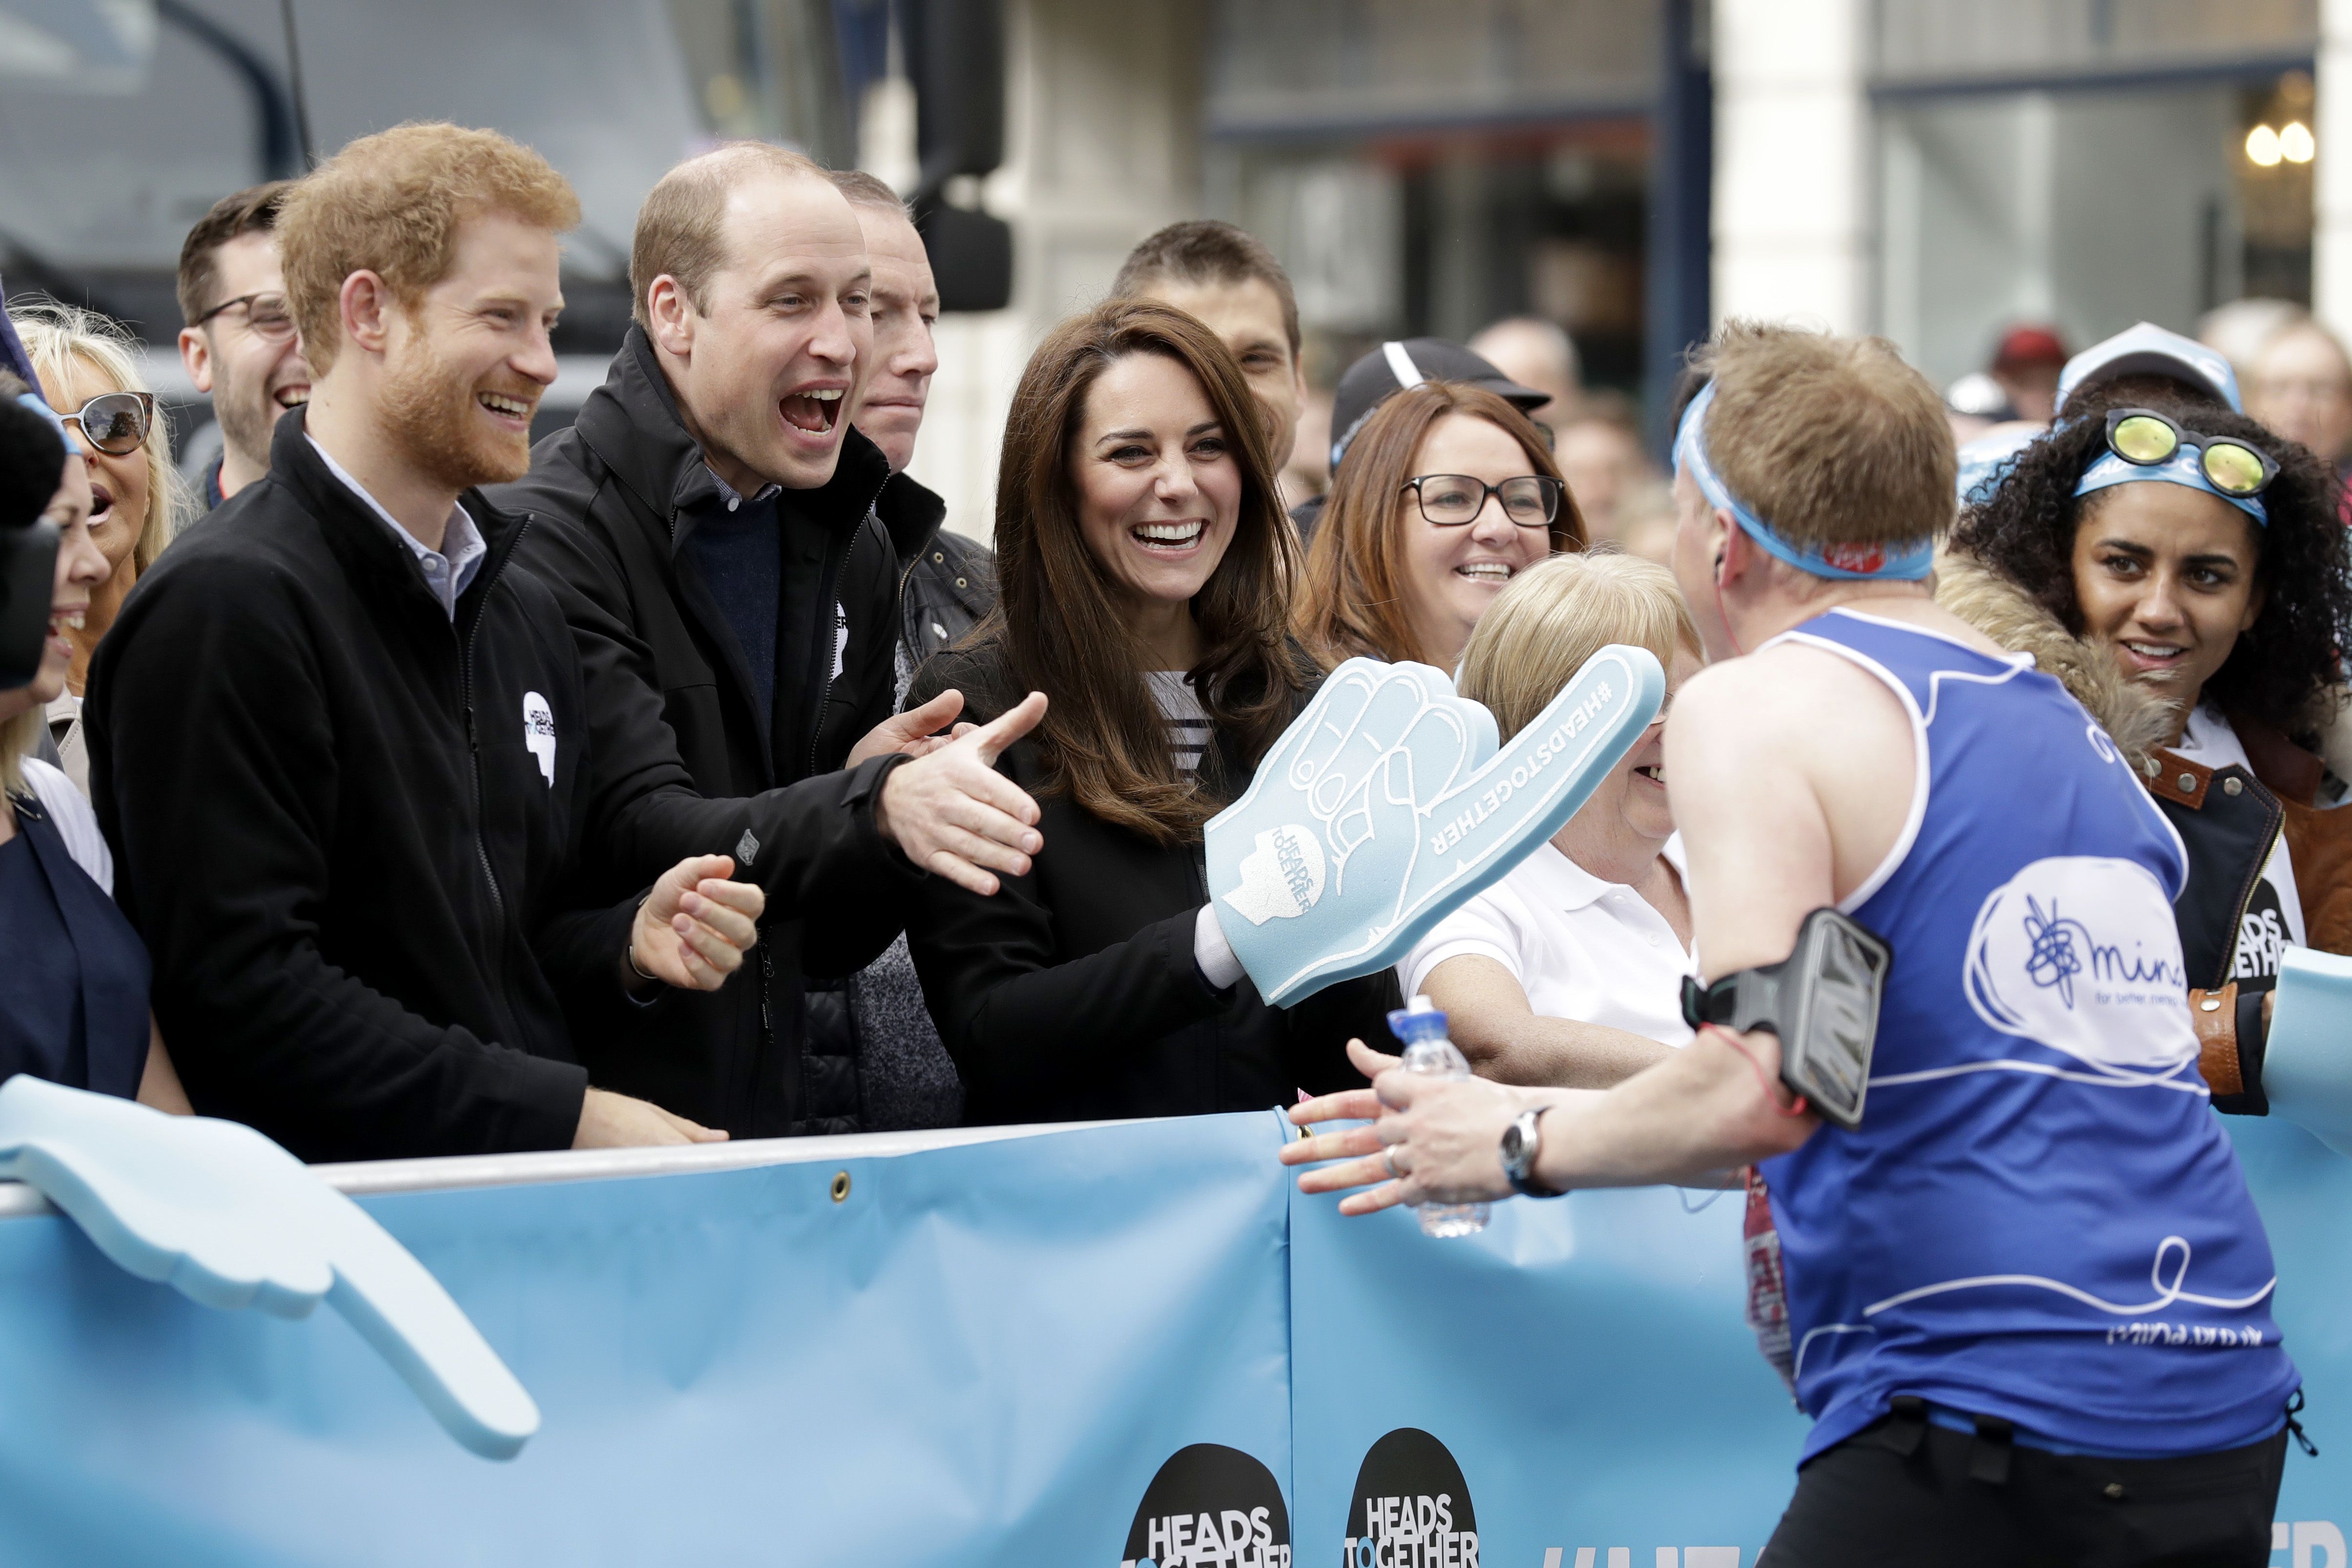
(231, 1220)
(1387, 803)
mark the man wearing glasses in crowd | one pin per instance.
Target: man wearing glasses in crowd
(239, 344)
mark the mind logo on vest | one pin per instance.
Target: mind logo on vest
(1210, 1507)
(1412, 1508)
(2080, 953)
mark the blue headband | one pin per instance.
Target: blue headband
(1904, 563)
(33, 401)
(2185, 468)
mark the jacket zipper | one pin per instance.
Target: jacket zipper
(767, 960)
(474, 747)
(825, 693)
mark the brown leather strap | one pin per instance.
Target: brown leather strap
(2215, 1014)
(2172, 777)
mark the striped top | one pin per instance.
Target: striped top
(1188, 721)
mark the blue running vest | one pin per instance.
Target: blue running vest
(2040, 1217)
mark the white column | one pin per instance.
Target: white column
(1791, 205)
(2331, 240)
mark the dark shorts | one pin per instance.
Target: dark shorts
(1870, 1501)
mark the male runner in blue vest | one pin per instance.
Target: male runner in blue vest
(2029, 1296)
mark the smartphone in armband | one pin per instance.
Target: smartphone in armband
(1821, 1000)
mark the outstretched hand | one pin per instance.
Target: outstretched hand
(953, 814)
(916, 732)
(1428, 1140)
(694, 928)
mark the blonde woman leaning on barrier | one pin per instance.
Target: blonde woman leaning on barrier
(89, 377)
(1567, 972)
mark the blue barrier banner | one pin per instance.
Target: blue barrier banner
(1095, 1347)
(2304, 1189)
(1580, 1371)
(979, 1354)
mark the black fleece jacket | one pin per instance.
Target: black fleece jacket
(1073, 994)
(614, 499)
(362, 892)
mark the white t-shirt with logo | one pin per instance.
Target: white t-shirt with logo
(2273, 917)
(1582, 950)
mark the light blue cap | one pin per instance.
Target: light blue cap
(1985, 459)
(1901, 563)
(2185, 468)
(65, 432)
(2149, 349)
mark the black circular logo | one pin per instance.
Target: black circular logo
(1412, 1508)
(1210, 1507)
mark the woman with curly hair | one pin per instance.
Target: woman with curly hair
(2203, 555)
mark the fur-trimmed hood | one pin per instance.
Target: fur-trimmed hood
(2136, 720)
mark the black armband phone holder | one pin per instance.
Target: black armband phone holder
(1822, 1002)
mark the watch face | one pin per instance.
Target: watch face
(1515, 1149)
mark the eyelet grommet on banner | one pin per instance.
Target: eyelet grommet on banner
(840, 1186)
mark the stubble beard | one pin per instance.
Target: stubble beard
(428, 408)
(248, 419)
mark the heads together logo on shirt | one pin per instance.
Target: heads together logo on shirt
(1412, 1508)
(1210, 1507)
(538, 734)
(2080, 953)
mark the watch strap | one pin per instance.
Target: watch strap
(1525, 1133)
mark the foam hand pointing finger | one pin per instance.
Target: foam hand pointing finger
(1387, 803)
(231, 1220)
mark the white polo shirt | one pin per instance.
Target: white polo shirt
(1582, 950)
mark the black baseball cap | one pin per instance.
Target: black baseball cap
(1407, 362)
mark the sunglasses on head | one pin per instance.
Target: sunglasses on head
(115, 423)
(2149, 439)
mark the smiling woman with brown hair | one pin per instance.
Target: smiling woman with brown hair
(1145, 566)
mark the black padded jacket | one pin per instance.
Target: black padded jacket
(1073, 993)
(614, 497)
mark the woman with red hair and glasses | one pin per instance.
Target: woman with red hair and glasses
(1448, 493)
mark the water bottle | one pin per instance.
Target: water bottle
(1427, 1051)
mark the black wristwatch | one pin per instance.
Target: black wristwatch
(1522, 1141)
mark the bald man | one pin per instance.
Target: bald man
(1536, 354)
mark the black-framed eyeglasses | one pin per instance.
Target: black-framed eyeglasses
(265, 314)
(1450, 501)
(115, 423)
(2149, 439)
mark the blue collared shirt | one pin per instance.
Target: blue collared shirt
(448, 571)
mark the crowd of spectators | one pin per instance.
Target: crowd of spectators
(684, 777)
